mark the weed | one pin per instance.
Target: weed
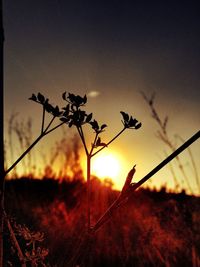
(163, 135)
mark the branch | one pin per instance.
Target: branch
(51, 121)
(54, 128)
(169, 158)
(122, 198)
(93, 145)
(14, 239)
(107, 144)
(129, 187)
(43, 119)
(24, 154)
(31, 146)
(80, 131)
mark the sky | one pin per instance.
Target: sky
(115, 48)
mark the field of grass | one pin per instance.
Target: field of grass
(152, 229)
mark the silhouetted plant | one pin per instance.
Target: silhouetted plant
(74, 115)
(32, 253)
(23, 131)
(35, 254)
(46, 128)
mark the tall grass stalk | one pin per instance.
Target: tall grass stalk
(193, 163)
(163, 135)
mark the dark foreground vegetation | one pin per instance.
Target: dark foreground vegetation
(152, 229)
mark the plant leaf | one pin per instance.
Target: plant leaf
(71, 123)
(71, 98)
(125, 116)
(137, 126)
(84, 99)
(64, 96)
(66, 109)
(89, 117)
(56, 112)
(33, 97)
(103, 126)
(94, 125)
(98, 141)
(132, 122)
(63, 119)
(40, 98)
(48, 107)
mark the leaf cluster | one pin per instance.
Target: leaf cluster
(100, 143)
(129, 122)
(74, 115)
(39, 98)
(35, 252)
(75, 100)
(95, 126)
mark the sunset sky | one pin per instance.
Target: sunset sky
(116, 49)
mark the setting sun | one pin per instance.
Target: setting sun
(107, 165)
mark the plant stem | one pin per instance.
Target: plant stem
(17, 246)
(45, 132)
(54, 128)
(88, 191)
(93, 145)
(24, 154)
(51, 121)
(169, 158)
(81, 134)
(80, 131)
(117, 135)
(121, 199)
(43, 119)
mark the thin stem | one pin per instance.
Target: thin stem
(88, 192)
(84, 140)
(123, 198)
(163, 135)
(51, 121)
(109, 142)
(23, 154)
(80, 131)
(168, 159)
(173, 174)
(14, 239)
(43, 119)
(32, 145)
(93, 145)
(107, 215)
(193, 163)
(54, 128)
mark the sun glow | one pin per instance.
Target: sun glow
(107, 165)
